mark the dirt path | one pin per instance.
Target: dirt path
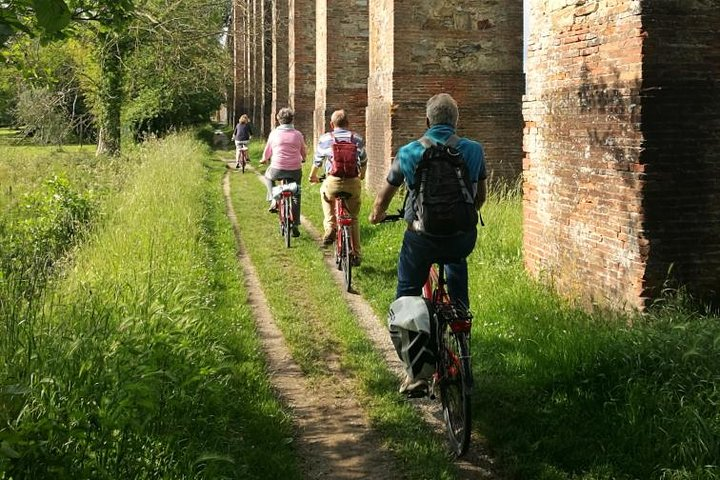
(334, 435)
(334, 439)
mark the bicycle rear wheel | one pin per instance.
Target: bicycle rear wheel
(346, 260)
(456, 389)
(287, 223)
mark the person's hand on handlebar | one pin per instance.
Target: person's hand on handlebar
(376, 216)
(313, 178)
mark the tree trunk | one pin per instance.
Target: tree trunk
(109, 99)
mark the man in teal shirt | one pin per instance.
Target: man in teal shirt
(420, 250)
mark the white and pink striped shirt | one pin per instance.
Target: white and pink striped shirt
(286, 147)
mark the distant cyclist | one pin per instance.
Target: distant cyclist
(343, 174)
(286, 147)
(241, 136)
(420, 250)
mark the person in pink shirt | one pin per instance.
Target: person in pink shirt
(285, 150)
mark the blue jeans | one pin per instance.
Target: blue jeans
(419, 251)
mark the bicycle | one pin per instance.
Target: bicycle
(242, 156)
(344, 246)
(284, 193)
(453, 370)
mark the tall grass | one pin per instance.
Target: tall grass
(144, 363)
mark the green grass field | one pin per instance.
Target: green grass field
(129, 351)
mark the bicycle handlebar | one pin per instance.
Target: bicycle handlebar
(393, 217)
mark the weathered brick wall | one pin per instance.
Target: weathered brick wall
(622, 164)
(247, 49)
(681, 155)
(256, 70)
(583, 173)
(379, 127)
(342, 62)
(267, 67)
(235, 44)
(279, 58)
(468, 48)
(301, 63)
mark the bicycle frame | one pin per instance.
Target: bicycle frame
(344, 244)
(435, 290)
(241, 156)
(285, 211)
(453, 373)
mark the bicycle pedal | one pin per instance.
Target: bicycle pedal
(417, 393)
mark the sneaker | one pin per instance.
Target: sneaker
(295, 232)
(237, 165)
(416, 386)
(328, 239)
(273, 207)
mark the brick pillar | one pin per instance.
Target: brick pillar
(681, 148)
(239, 50)
(469, 48)
(342, 62)
(267, 66)
(301, 63)
(621, 149)
(256, 55)
(280, 58)
(247, 35)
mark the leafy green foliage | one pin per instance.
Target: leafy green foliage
(177, 69)
(43, 226)
(154, 65)
(46, 18)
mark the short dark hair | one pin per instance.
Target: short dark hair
(285, 116)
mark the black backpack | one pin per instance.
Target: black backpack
(443, 199)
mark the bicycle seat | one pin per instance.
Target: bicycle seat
(344, 195)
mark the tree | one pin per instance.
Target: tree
(171, 48)
(180, 63)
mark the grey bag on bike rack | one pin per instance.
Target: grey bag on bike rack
(411, 325)
(288, 187)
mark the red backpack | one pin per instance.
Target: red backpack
(345, 156)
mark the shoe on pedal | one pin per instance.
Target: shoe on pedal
(273, 207)
(328, 239)
(295, 232)
(355, 260)
(414, 388)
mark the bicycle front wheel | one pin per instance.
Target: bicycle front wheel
(346, 260)
(456, 390)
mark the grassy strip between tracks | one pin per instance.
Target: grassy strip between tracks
(307, 305)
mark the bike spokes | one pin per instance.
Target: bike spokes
(456, 391)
